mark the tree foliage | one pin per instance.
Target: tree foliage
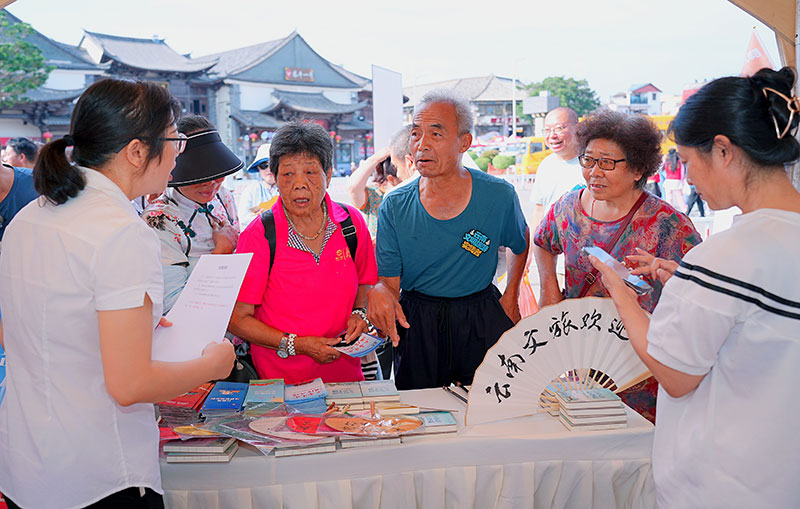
(573, 93)
(22, 65)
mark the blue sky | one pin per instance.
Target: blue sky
(611, 43)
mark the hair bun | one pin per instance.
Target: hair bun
(782, 103)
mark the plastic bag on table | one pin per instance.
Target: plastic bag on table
(238, 427)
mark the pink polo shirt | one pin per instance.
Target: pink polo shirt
(303, 297)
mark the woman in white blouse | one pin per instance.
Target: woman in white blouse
(81, 292)
(723, 341)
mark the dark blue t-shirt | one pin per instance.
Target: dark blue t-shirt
(21, 193)
(453, 257)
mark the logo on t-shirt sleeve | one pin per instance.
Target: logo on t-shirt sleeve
(476, 242)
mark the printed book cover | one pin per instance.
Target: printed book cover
(587, 397)
(305, 391)
(365, 344)
(265, 391)
(350, 391)
(226, 396)
(312, 406)
(379, 390)
(192, 399)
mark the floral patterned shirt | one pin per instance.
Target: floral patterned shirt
(370, 208)
(185, 233)
(184, 226)
(656, 227)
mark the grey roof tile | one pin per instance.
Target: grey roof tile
(311, 103)
(150, 54)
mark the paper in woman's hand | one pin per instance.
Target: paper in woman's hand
(204, 307)
(365, 344)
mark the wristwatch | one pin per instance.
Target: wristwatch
(286, 347)
(362, 312)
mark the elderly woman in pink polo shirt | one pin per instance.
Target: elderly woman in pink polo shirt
(304, 286)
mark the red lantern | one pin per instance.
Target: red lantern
(368, 136)
(47, 135)
(253, 136)
(338, 138)
(333, 134)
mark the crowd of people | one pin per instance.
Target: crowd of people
(132, 197)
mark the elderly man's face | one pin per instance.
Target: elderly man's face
(559, 133)
(436, 144)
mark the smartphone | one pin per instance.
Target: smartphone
(639, 285)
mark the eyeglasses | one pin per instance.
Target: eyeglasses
(263, 166)
(556, 129)
(180, 142)
(604, 163)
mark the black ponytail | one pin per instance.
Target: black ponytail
(109, 115)
(53, 175)
(738, 108)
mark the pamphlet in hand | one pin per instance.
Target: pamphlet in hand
(365, 344)
(204, 307)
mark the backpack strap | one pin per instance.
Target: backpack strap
(348, 231)
(268, 220)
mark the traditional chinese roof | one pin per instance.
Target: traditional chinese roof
(268, 62)
(256, 119)
(354, 125)
(43, 94)
(146, 54)
(228, 63)
(310, 103)
(482, 88)
(57, 120)
(62, 56)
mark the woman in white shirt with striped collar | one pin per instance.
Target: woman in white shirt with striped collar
(723, 341)
(81, 292)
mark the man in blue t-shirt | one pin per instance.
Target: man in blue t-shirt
(437, 248)
(16, 190)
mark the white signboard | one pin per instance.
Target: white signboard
(387, 104)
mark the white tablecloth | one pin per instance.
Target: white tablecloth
(528, 462)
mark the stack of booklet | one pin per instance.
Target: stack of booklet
(433, 423)
(325, 444)
(263, 392)
(185, 409)
(201, 450)
(225, 398)
(590, 409)
(307, 397)
(359, 395)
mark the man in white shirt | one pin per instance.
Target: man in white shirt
(559, 172)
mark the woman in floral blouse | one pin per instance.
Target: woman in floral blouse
(195, 215)
(620, 152)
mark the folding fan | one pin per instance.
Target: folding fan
(577, 343)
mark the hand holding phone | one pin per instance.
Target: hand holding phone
(638, 284)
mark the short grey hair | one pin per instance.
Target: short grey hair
(464, 115)
(400, 143)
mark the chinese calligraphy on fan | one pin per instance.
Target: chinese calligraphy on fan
(561, 325)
